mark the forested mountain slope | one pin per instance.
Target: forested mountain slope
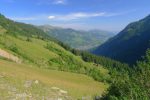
(130, 44)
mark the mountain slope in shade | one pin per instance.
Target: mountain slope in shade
(130, 44)
(81, 40)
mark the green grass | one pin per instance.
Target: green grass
(36, 50)
(77, 85)
(2, 30)
(45, 54)
(40, 60)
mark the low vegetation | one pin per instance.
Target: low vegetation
(132, 84)
(28, 81)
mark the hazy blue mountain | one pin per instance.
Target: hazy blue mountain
(130, 44)
(78, 39)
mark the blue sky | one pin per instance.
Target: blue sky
(110, 15)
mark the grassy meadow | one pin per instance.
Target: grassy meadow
(76, 85)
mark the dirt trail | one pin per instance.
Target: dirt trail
(9, 56)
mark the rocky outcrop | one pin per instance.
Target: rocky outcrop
(9, 56)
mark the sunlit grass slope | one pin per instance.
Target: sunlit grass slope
(45, 54)
(76, 85)
(40, 62)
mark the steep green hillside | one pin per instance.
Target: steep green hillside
(40, 58)
(82, 40)
(130, 44)
(45, 54)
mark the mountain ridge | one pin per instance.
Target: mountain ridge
(78, 39)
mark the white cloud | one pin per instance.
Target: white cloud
(83, 15)
(52, 2)
(74, 16)
(69, 17)
(51, 17)
(59, 2)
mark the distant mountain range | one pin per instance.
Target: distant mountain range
(82, 40)
(130, 44)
